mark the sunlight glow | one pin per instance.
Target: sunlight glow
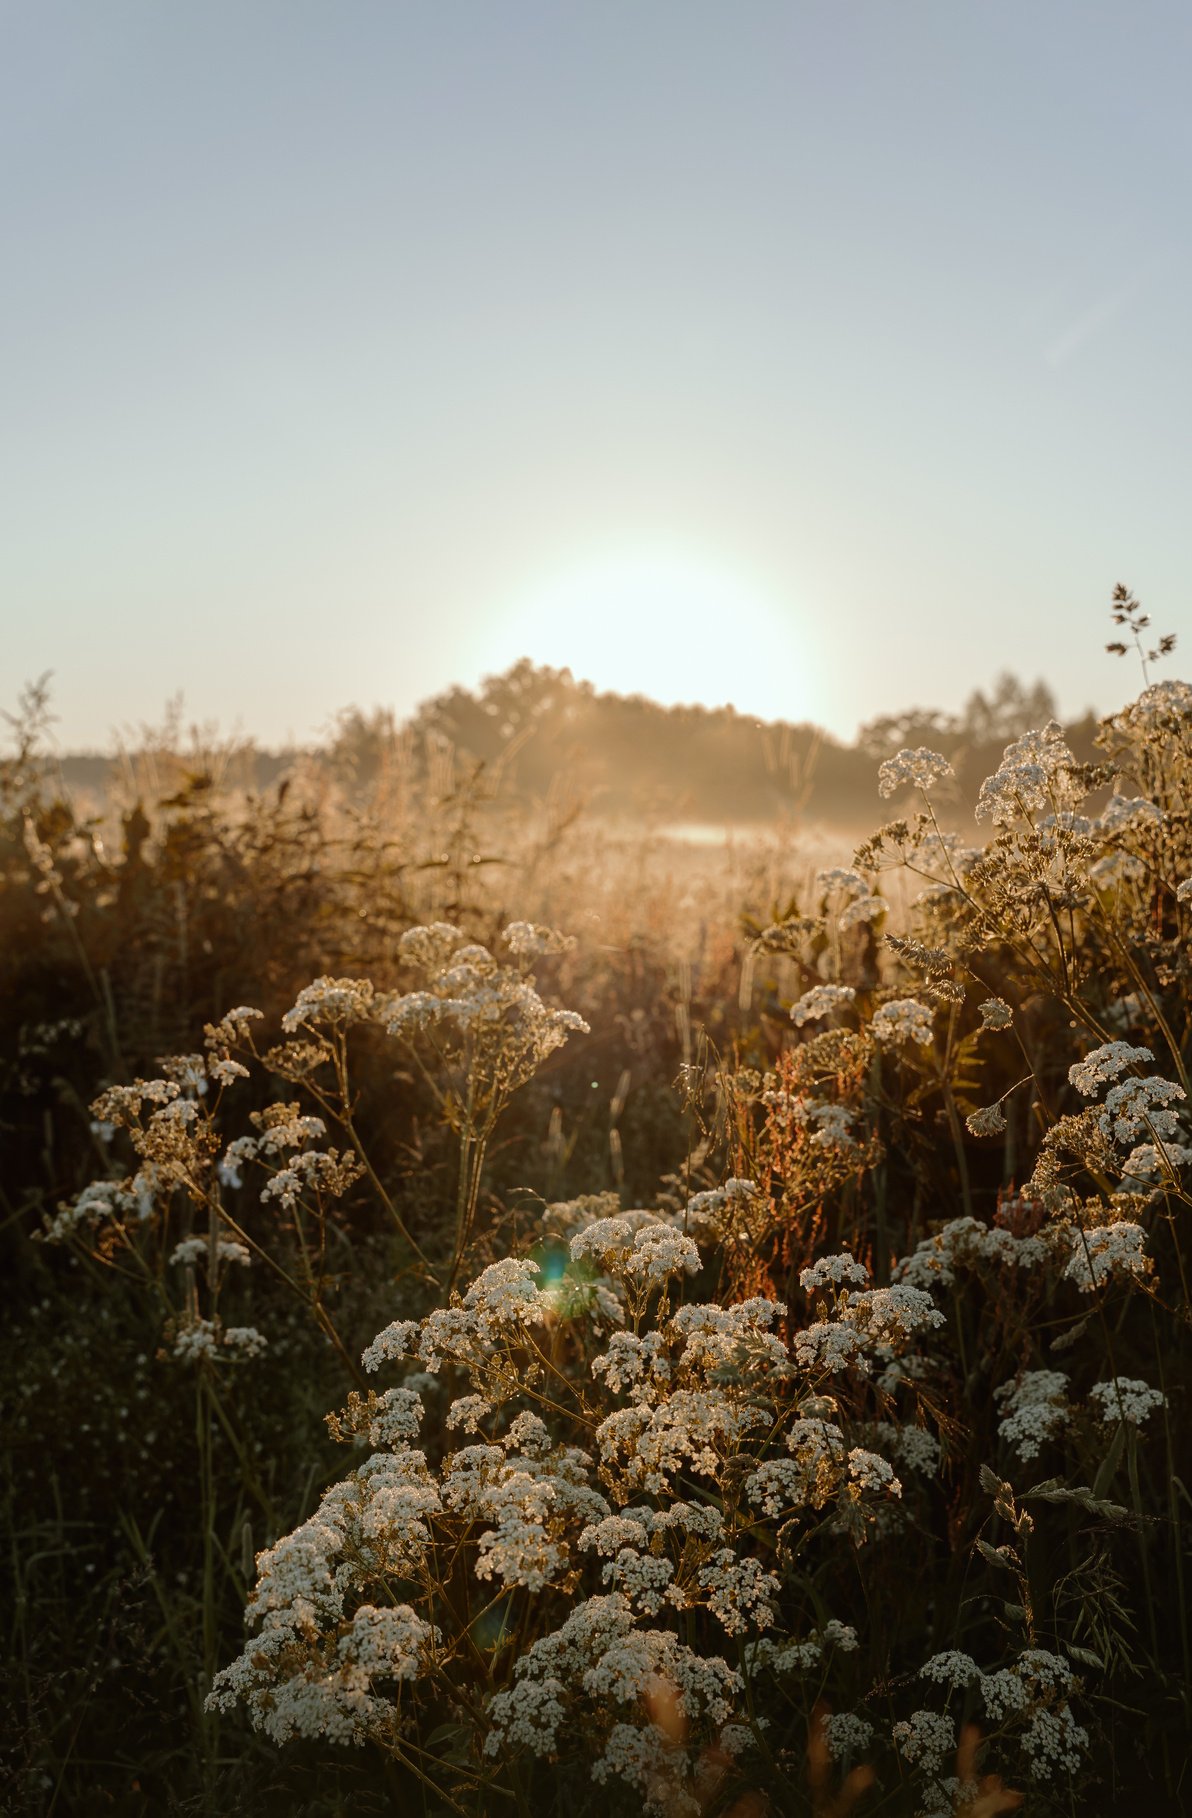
(667, 624)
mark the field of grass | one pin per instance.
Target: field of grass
(509, 1315)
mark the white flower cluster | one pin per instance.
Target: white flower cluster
(846, 1734)
(821, 1001)
(741, 1593)
(832, 1269)
(198, 1250)
(472, 1000)
(201, 1339)
(1105, 1063)
(1036, 1688)
(1159, 708)
(711, 1212)
(902, 1020)
(966, 1243)
(926, 1739)
(1151, 1162)
(1126, 1399)
(1031, 1696)
(528, 940)
(339, 1002)
(1106, 1251)
(862, 909)
(1036, 772)
(917, 769)
(601, 1655)
(951, 1668)
(1138, 1107)
(502, 1300)
(1036, 1409)
(838, 882)
(866, 1322)
(647, 1256)
(1128, 813)
(995, 1013)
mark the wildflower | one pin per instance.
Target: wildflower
(231, 1028)
(1126, 1399)
(198, 1249)
(902, 1020)
(995, 1013)
(467, 1411)
(338, 1001)
(1108, 1062)
(659, 1252)
(918, 769)
(841, 1268)
(861, 909)
(1184, 892)
(821, 1001)
(838, 881)
(429, 948)
(740, 1592)
(527, 939)
(1036, 771)
(846, 1734)
(869, 1471)
(989, 1120)
(1151, 1162)
(951, 1668)
(1036, 1410)
(1141, 1105)
(926, 1740)
(1122, 813)
(1107, 1250)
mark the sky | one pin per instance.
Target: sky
(825, 358)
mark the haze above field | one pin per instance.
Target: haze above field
(826, 359)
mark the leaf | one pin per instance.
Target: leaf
(1107, 1469)
(1014, 1612)
(1085, 1656)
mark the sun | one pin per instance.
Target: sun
(665, 623)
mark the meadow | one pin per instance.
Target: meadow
(505, 1314)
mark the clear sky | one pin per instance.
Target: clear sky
(823, 357)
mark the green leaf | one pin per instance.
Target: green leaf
(1107, 1469)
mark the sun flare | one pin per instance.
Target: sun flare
(665, 624)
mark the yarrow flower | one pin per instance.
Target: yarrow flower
(1106, 1250)
(821, 1001)
(995, 1013)
(1127, 1399)
(917, 769)
(1103, 1064)
(1141, 1106)
(1037, 771)
(1036, 1410)
(839, 1268)
(904, 1019)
